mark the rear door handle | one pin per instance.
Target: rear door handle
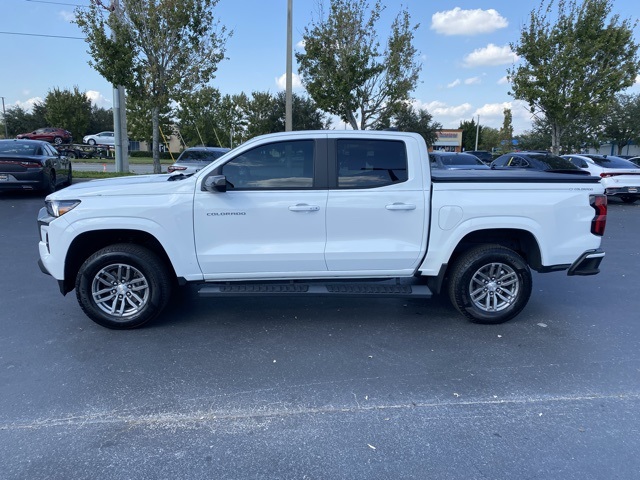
(303, 207)
(400, 206)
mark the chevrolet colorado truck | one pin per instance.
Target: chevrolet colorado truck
(320, 213)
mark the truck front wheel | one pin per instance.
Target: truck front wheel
(123, 286)
(490, 284)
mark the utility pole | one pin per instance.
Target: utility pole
(120, 114)
(477, 132)
(4, 120)
(288, 116)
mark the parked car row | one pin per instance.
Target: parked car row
(620, 177)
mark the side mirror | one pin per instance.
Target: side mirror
(215, 184)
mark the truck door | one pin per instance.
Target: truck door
(376, 213)
(271, 219)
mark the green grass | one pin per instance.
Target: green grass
(94, 175)
(132, 160)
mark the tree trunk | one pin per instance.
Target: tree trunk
(352, 121)
(556, 132)
(155, 146)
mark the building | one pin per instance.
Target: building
(449, 140)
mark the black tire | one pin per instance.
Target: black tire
(72, 155)
(49, 185)
(69, 176)
(490, 284)
(628, 198)
(57, 140)
(91, 142)
(137, 284)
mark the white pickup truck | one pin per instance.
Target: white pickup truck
(320, 213)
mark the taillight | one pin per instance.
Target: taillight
(599, 222)
(172, 169)
(31, 164)
(615, 174)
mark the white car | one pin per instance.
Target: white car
(102, 138)
(620, 177)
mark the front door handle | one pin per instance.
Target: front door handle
(400, 206)
(303, 207)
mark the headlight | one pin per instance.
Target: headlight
(57, 208)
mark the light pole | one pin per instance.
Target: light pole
(120, 115)
(288, 116)
(4, 120)
(477, 132)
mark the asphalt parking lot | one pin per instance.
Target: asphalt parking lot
(272, 388)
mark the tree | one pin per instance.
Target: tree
(266, 114)
(621, 122)
(344, 70)
(68, 109)
(573, 67)
(159, 49)
(506, 132)
(140, 122)
(489, 139)
(18, 121)
(101, 119)
(406, 118)
(198, 115)
(535, 139)
(469, 132)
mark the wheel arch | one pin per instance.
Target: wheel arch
(87, 243)
(523, 242)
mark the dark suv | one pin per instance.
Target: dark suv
(57, 136)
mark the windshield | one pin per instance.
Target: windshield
(553, 162)
(460, 160)
(613, 162)
(17, 148)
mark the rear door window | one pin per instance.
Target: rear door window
(366, 163)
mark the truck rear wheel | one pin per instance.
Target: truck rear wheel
(490, 284)
(123, 286)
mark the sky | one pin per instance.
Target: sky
(464, 50)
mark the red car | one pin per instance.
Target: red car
(56, 136)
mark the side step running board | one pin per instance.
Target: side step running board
(347, 289)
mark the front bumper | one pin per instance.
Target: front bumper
(588, 263)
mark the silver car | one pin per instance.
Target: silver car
(195, 158)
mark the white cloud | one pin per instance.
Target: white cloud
(28, 104)
(492, 110)
(467, 22)
(491, 55)
(66, 16)
(473, 81)
(455, 83)
(441, 109)
(98, 99)
(300, 45)
(637, 80)
(281, 81)
(492, 115)
(503, 81)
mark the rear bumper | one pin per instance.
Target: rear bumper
(623, 191)
(588, 263)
